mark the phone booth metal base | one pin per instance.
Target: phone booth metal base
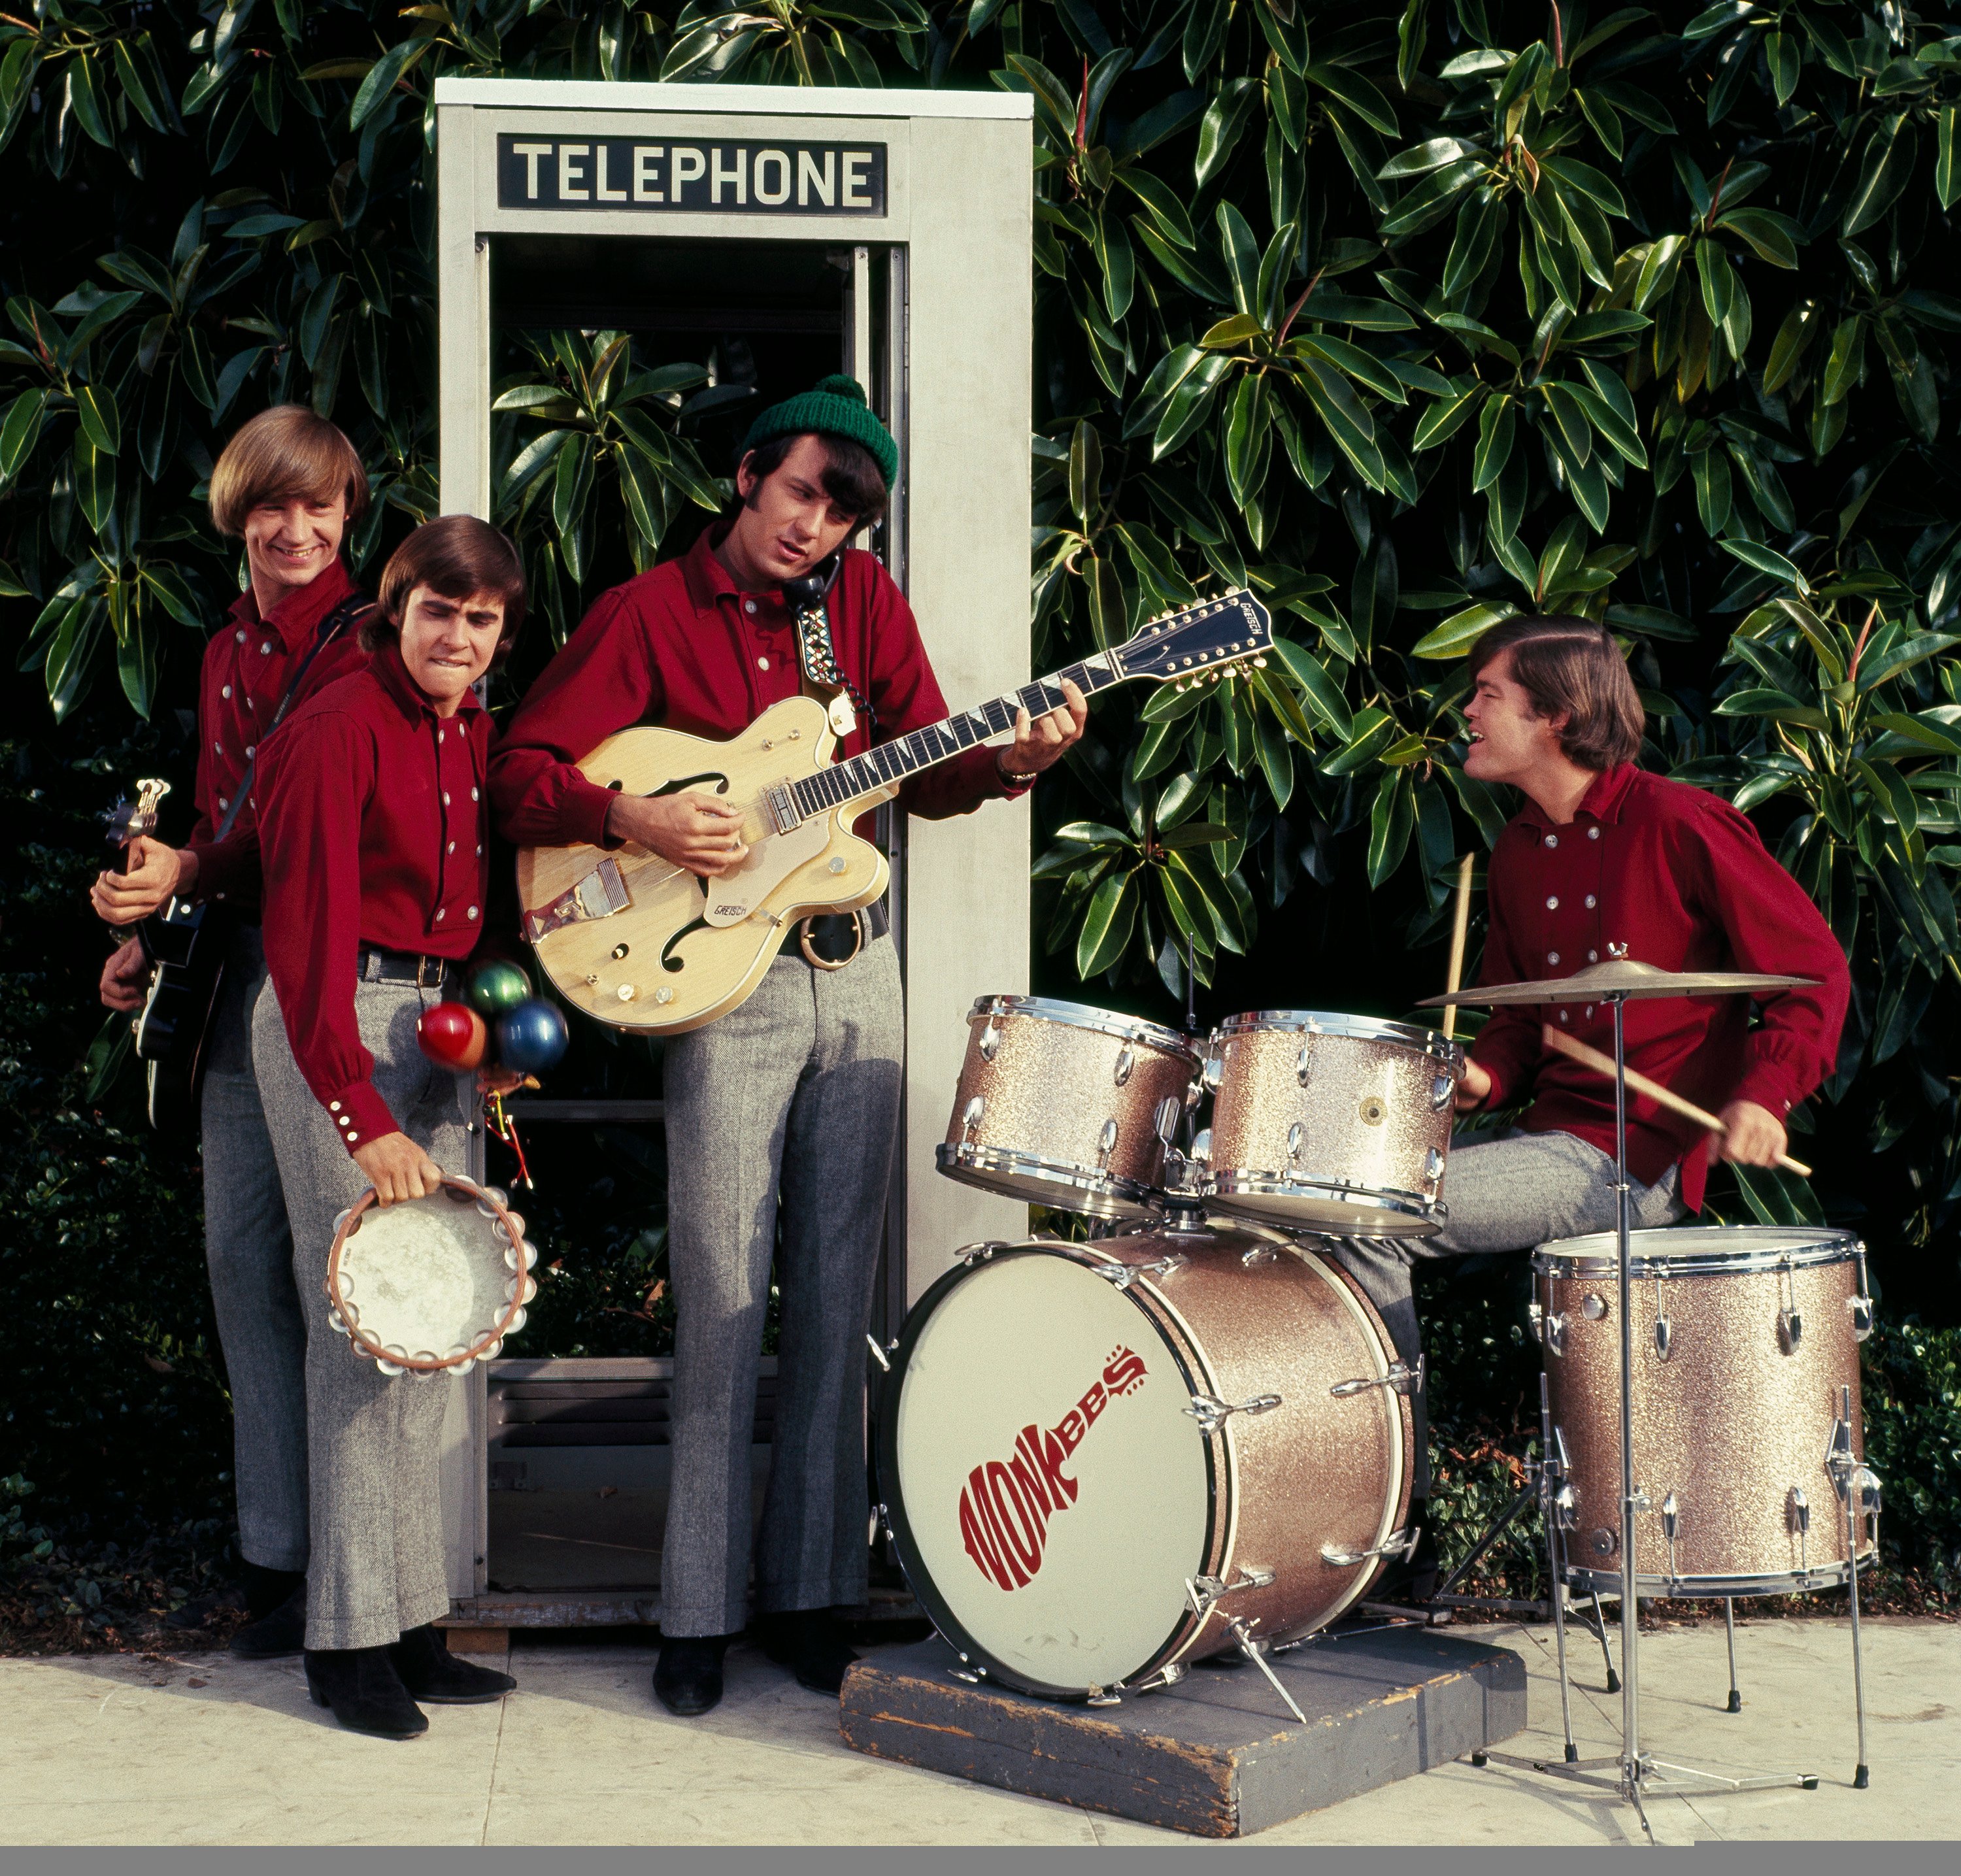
(584, 205)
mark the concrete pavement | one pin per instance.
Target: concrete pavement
(204, 1750)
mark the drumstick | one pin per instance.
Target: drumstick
(1571, 1046)
(1457, 942)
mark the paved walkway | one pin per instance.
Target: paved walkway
(203, 1750)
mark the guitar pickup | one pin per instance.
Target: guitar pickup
(783, 807)
(599, 894)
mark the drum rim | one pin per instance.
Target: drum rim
(1125, 1198)
(1431, 1043)
(1773, 1247)
(892, 1498)
(1823, 1576)
(1433, 1214)
(1091, 1017)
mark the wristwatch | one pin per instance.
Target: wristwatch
(1009, 776)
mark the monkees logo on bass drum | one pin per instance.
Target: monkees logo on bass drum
(1006, 1505)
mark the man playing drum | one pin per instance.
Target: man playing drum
(792, 1098)
(1606, 860)
(288, 486)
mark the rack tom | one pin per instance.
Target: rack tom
(1063, 1105)
(1100, 1461)
(1748, 1433)
(1331, 1123)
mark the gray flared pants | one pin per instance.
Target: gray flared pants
(789, 1101)
(374, 1445)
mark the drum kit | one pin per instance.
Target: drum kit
(1190, 1433)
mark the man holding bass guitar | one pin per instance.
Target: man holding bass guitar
(792, 1097)
(288, 486)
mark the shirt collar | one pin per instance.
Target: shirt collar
(409, 696)
(1603, 802)
(297, 616)
(710, 582)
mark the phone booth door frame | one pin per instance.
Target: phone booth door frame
(942, 182)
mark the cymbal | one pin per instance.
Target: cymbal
(1620, 977)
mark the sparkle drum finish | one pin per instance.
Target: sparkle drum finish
(1063, 1105)
(430, 1286)
(1745, 1339)
(1331, 1123)
(1096, 1459)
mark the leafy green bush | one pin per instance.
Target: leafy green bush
(1410, 316)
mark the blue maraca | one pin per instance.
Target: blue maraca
(532, 1037)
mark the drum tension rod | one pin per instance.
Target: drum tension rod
(1212, 1413)
(1401, 1543)
(1123, 1275)
(1402, 1378)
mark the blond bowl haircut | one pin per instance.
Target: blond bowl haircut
(1571, 667)
(284, 453)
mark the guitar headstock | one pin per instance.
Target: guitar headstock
(128, 819)
(1210, 638)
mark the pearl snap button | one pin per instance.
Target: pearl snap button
(1552, 957)
(1592, 833)
(445, 797)
(266, 649)
(240, 635)
(439, 911)
(226, 691)
(333, 1107)
(352, 1138)
(1552, 905)
(1593, 957)
(451, 848)
(218, 748)
(748, 605)
(1562, 1015)
(472, 794)
(248, 748)
(1591, 901)
(1552, 840)
(762, 664)
(473, 911)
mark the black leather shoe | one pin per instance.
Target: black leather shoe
(266, 1589)
(365, 1691)
(431, 1673)
(281, 1633)
(810, 1643)
(687, 1678)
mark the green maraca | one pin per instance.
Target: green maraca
(497, 987)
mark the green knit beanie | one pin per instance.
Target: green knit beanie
(833, 406)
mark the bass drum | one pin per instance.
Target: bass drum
(1098, 1458)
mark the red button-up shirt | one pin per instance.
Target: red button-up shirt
(373, 821)
(1682, 880)
(247, 666)
(682, 646)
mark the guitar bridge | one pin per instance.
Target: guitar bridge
(599, 894)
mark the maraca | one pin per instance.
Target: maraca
(452, 1035)
(532, 1037)
(496, 986)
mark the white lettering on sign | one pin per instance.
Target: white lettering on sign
(597, 171)
(689, 166)
(739, 175)
(809, 176)
(531, 152)
(770, 194)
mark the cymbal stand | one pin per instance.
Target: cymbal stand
(1634, 1771)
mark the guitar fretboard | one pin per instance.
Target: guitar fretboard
(893, 762)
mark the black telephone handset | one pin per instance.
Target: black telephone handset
(814, 588)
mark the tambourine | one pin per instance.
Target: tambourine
(430, 1286)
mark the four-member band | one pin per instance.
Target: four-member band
(1606, 860)
(374, 830)
(288, 486)
(782, 1116)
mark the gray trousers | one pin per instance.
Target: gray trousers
(786, 1107)
(1513, 1193)
(374, 1445)
(248, 1250)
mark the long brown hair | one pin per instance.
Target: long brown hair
(285, 452)
(458, 556)
(1571, 666)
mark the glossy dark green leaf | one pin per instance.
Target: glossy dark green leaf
(1107, 923)
(1391, 819)
(1495, 427)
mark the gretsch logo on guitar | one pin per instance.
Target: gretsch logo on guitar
(638, 941)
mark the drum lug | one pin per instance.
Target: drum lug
(1127, 1060)
(1401, 1543)
(1168, 1675)
(1171, 1111)
(1552, 1325)
(1303, 1063)
(1212, 1413)
(1664, 1337)
(1671, 1524)
(1860, 1308)
(1209, 1072)
(1296, 1136)
(1402, 1378)
(1203, 1593)
(969, 1118)
(1433, 1166)
(1790, 1330)
(989, 1045)
(1442, 1091)
(1566, 1508)
(1106, 1144)
(1123, 1275)
(1259, 1254)
(1105, 1697)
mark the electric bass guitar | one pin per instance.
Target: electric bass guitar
(644, 945)
(184, 946)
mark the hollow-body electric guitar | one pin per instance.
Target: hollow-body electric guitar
(643, 944)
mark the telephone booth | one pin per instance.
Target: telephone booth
(884, 233)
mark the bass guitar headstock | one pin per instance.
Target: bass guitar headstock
(129, 819)
(1216, 636)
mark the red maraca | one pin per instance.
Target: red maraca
(452, 1035)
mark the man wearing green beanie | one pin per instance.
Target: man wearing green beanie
(787, 1108)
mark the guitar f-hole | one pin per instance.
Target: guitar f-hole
(668, 960)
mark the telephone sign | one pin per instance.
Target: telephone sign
(700, 175)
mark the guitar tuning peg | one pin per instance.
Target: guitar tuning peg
(1259, 663)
